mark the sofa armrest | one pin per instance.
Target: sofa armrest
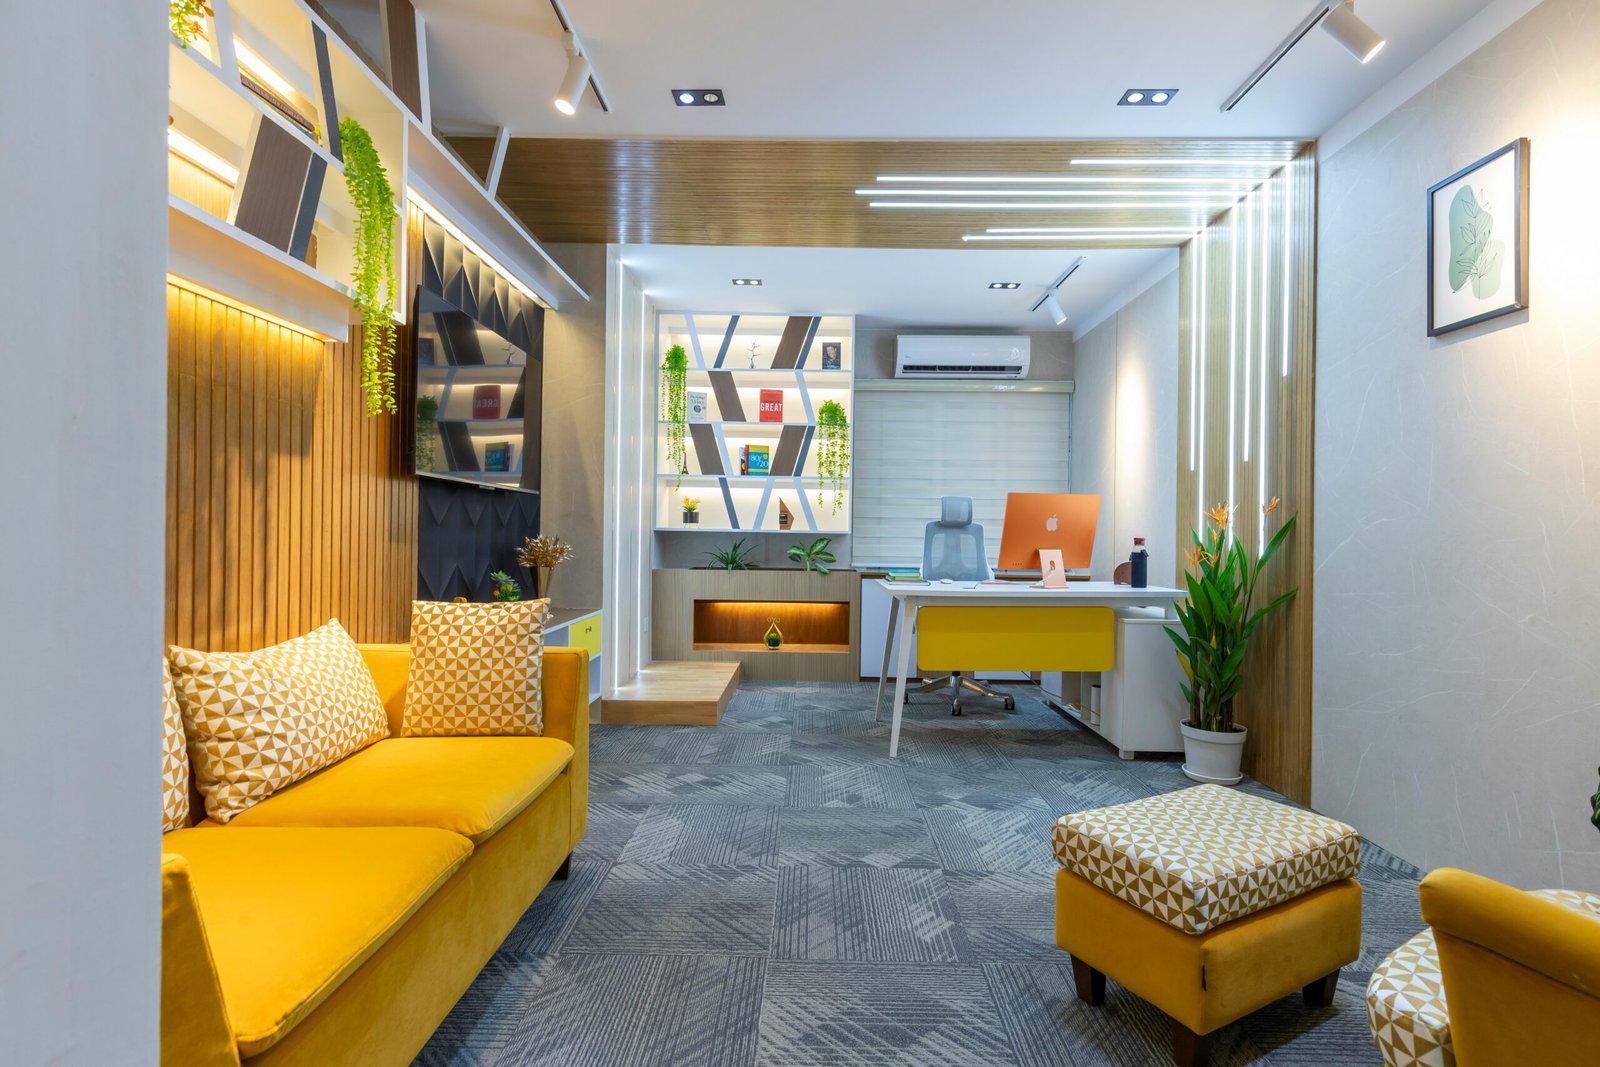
(195, 1031)
(1559, 942)
(390, 666)
(566, 715)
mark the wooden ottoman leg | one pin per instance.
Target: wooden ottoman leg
(1090, 982)
(563, 871)
(1319, 994)
(1189, 1049)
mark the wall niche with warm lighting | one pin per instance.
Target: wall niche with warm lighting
(724, 616)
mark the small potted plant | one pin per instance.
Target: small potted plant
(736, 557)
(506, 588)
(813, 557)
(1213, 636)
(542, 555)
(691, 511)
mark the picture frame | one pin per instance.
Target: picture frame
(832, 355)
(1478, 241)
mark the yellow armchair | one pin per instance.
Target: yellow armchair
(1521, 972)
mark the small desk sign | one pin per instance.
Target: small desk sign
(1054, 574)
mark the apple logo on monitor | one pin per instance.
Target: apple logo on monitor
(1050, 524)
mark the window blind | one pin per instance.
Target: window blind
(913, 445)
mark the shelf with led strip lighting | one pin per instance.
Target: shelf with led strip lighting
(727, 417)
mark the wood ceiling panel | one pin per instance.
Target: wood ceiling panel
(803, 192)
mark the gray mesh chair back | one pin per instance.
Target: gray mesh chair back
(953, 547)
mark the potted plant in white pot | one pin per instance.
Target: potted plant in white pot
(1216, 624)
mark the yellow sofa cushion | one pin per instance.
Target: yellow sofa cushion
(1201, 857)
(259, 721)
(476, 669)
(290, 913)
(471, 786)
(174, 757)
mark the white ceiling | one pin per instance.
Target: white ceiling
(909, 287)
(912, 68)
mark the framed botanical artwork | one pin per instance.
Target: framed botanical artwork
(1478, 241)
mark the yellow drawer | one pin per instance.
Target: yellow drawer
(585, 633)
(1015, 639)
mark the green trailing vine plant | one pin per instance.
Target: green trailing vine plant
(675, 407)
(833, 453)
(374, 278)
(188, 20)
(427, 421)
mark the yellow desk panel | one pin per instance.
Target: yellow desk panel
(1015, 639)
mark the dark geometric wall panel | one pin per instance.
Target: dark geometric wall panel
(465, 532)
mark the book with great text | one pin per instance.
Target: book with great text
(486, 401)
(772, 405)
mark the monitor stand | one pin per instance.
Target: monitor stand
(1054, 574)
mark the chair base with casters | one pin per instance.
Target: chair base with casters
(954, 684)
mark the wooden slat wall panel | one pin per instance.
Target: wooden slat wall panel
(1242, 315)
(286, 504)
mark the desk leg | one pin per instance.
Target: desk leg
(883, 672)
(907, 616)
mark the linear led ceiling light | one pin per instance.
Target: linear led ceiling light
(1057, 194)
(1339, 19)
(1064, 179)
(260, 69)
(1070, 239)
(1173, 161)
(1048, 300)
(202, 157)
(1082, 205)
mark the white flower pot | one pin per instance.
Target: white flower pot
(1209, 756)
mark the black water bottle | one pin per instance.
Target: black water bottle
(1140, 561)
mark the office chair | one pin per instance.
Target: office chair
(953, 548)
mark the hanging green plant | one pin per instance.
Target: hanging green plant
(187, 19)
(833, 451)
(675, 407)
(374, 278)
(427, 425)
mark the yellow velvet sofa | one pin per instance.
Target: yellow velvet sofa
(339, 920)
(1521, 972)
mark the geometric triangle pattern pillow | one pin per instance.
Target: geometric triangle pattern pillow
(476, 669)
(260, 721)
(174, 757)
(1201, 857)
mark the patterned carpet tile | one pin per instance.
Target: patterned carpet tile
(997, 790)
(876, 1015)
(1007, 915)
(608, 829)
(724, 911)
(971, 839)
(949, 747)
(705, 835)
(673, 784)
(1079, 783)
(866, 913)
(842, 836)
(870, 785)
(544, 927)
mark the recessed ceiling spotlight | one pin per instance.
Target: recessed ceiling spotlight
(747, 281)
(1146, 97)
(1005, 285)
(698, 97)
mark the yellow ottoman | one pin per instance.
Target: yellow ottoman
(1209, 903)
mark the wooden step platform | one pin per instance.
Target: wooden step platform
(674, 694)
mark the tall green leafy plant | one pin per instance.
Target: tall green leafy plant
(374, 278)
(675, 407)
(813, 557)
(833, 450)
(1218, 620)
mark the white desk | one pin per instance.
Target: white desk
(915, 595)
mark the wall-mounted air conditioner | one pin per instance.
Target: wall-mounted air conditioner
(928, 355)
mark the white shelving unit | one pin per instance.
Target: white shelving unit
(719, 350)
(579, 628)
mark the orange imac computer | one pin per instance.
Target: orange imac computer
(1056, 524)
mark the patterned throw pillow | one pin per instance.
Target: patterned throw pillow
(476, 668)
(259, 721)
(174, 758)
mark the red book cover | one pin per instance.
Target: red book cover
(772, 405)
(486, 401)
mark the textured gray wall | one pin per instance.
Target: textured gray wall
(1457, 687)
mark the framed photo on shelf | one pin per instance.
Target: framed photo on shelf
(832, 355)
(1478, 241)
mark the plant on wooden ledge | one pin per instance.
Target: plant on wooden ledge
(187, 19)
(736, 557)
(374, 278)
(833, 453)
(813, 557)
(542, 555)
(675, 408)
(1216, 624)
(506, 588)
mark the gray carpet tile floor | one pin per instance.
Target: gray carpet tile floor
(777, 891)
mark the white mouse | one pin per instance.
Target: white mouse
(947, 581)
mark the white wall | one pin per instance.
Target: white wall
(1457, 687)
(83, 178)
(1125, 429)
(630, 470)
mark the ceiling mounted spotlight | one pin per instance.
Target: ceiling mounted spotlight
(1147, 97)
(1053, 308)
(747, 281)
(1005, 285)
(698, 97)
(1048, 301)
(1355, 36)
(576, 80)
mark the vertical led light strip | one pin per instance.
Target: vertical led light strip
(1249, 210)
(1198, 385)
(1288, 268)
(1261, 374)
(1233, 355)
(1196, 287)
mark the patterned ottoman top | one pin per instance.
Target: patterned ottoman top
(1205, 856)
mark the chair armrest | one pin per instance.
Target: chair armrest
(1558, 942)
(195, 1031)
(566, 715)
(390, 666)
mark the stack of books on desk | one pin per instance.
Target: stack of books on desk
(904, 574)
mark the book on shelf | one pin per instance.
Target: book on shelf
(755, 459)
(486, 401)
(771, 405)
(697, 402)
(497, 456)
